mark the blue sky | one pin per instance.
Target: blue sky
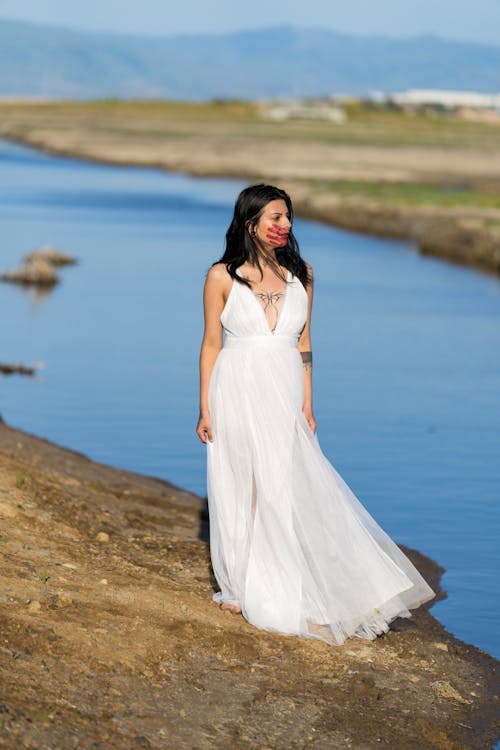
(451, 19)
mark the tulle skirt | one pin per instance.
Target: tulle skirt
(290, 543)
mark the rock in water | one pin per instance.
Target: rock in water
(9, 369)
(37, 272)
(51, 255)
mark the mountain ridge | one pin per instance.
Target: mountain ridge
(277, 61)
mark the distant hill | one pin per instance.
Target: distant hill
(274, 62)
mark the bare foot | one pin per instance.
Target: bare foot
(231, 608)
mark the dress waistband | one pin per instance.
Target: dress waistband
(249, 342)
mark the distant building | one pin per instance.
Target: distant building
(303, 110)
(446, 99)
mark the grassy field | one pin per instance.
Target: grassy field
(414, 139)
(372, 126)
(416, 194)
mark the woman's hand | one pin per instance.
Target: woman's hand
(204, 427)
(307, 412)
(277, 236)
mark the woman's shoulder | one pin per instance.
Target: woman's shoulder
(218, 278)
(218, 272)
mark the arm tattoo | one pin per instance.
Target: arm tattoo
(307, 359)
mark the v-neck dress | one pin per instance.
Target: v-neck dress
(290, 543)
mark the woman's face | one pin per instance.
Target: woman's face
(274, 225)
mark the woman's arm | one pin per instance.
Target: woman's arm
(214, 295)
(305, 349)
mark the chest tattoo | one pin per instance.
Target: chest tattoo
(270, 302)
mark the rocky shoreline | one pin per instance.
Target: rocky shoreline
(110, 638)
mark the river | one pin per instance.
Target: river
(406, 356)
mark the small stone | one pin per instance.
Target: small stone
(104, 581)
(34, 606)
(182, 712)
(441, 646)
(102, 537)
(443, 689)
(64, 599)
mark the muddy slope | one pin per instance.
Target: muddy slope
(109, 637)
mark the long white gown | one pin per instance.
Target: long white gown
(289, 541)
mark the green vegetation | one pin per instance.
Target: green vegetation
(491, 223)
(368, 125)
(413, 193)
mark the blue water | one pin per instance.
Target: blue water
(406, 356)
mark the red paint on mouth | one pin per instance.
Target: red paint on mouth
(277, 236)
(278, 242)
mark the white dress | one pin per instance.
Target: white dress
(289, 541)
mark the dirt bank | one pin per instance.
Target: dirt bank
(110, 638)
(456, 234)
(453, 211)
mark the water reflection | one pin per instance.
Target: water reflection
(36, 295)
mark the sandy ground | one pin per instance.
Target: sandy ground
(109, 637)
(240, 156)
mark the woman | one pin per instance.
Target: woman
(292, 548)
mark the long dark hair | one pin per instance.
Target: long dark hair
(240, 246)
